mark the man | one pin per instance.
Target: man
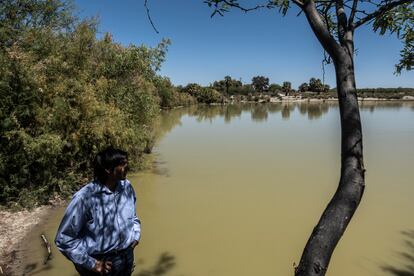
(100, 228)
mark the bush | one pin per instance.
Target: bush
(66, 95)
(209, 95)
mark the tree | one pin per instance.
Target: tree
(315, 85)
(64, 95)
(227, 86)
(166, 92)
(274, 87)
(246, 89)
(303, 87)
(287, 87)
(227, 81)
(260, 83)
(209, 95)
(193, 89)
(334, 23)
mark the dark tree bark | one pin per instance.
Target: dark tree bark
(334, 220)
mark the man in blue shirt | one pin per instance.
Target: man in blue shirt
(100, 228)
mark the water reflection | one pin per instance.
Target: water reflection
(37, 269)
(287, 108)
(232, 111)
(259, 112)
(274, 108)
(316, 110)
(160, 168)
(395, 105)
(165, 263)
(169, 120)
(407, 256)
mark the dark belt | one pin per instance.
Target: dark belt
(112, 253)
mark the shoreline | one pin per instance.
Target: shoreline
(299, 99)
(360, 99)
(14, 228)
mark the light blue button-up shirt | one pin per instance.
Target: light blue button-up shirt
(98, 221)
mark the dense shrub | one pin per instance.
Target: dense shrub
(170, 96)
(65, 95)
(209, 95)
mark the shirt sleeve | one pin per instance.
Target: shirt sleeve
(137, 221)
(68, 240)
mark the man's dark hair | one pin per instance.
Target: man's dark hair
(107, 159)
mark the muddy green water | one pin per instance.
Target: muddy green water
(236, 191)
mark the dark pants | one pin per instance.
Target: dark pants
(122, 263)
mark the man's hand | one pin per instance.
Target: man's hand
(134, 244)
(102, 267)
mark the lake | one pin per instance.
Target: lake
(237, 190)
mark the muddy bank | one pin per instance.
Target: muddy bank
(14, 227)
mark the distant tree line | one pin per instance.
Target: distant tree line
(260, 84)
(315, 88)
(385, 93)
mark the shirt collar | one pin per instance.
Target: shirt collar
(100, 188)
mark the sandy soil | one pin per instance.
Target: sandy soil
(14, 226)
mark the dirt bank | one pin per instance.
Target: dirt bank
(14, 226)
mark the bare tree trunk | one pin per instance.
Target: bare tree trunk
(334, 220)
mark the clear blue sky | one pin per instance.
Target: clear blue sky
(241, 45)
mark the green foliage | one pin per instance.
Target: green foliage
(205, 95)
(228, 86)
(260, 83)
(192, 88)
(209, 95)
(246, 89)
(303, 87)
(64, 95)
(166, 93)
(17, 16)
(287, 87)
(274, 88)
(385, 93)
(400, 21)
(316, 85)
(170, 96)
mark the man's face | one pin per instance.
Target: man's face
(121, 170)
